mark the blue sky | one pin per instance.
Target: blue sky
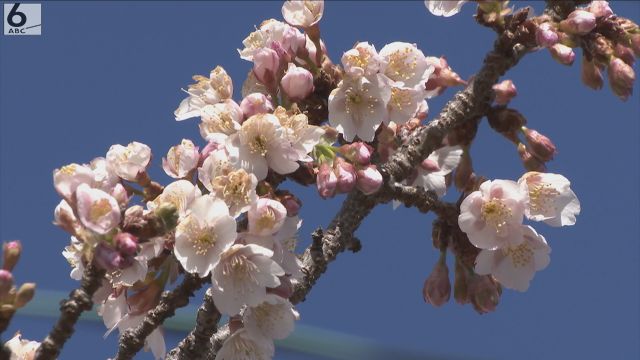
(111, 72)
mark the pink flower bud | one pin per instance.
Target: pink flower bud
(540, 145)
(625, 53)
(108, 258)
(600, 9)
(369, 180)
(126, 243)
(326, 181)
(579, 22)
(634, 42)
(546, 36)
(562, 54)
(255, 103)
(437, 287)
(484, 293)
(443, 76)
(266, 64)
(11, 254)
(621, 78)
(591, 74)
(505, 91)
(358, 152)
(297, 83)
(346, 174)
(24, 294)
(6, 282)
(530, 162)
(291, 203)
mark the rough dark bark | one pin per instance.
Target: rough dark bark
(132, 340)
(70, 310)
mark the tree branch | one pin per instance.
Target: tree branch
(70, 311)
(197, 345)
(132, 340)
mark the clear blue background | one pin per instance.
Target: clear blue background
(111, 72)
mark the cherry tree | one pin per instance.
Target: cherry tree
(359, 125)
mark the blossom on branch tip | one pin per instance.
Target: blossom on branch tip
(444, 8)
(242, 346)
(546, 35)
(515, 266)
(432, 170)
(206, 91)
(242, 276)
(369, 180)
(550, 198)
(621, 78)
(67, 179)
(272, 31)
(437, 287)
(405, 63)
(492, 216)
(505, 91)
(203, 234)
(181, 159)
(562, 54)
(222, 118)
(579, 22)
(266, 217)
(97, 210)
(127, 162)
(326, 181)
(600, 9)
(302, 13)
(362, 60)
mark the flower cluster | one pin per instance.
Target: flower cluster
(492, 219)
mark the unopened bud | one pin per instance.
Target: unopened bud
(346, 175)
(266, 64)
(369, 180)
(601, 48)
(600, 9)
(11, 254)
(126, 243)
(579, 22)
(634, 43)
(255, 103)
(290, 202)
(484, 293)
(546, 35)
(297, 83)
(357, 152)
(591, 74)
(168, 214)
(443, 76)
(562, 54)
(6, 282)
(326, 181)
(437, 287)
(107, 258)
(25, 294)
(530, 162)
(506, 121)
(621, 78)
(505, 91)
(541, 146)
(625, 53)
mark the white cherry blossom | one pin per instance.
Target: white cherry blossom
(550, 198)
(104, 177)
(235, 186)
(302, 136)
(206, 91)
(432, 172)
(273, 319)
(272, 31)
(266, 217)
(242, 346)
(181, 159)
(362, 60)
(444, 8)
(492, 216)
(203, 234)
(515, 266)
(405, 63)
(128, 161)
(67, 179)
(404, 103)
(302, 13)
(224, 117)
(97, 210)
(73, 254)
(21, 349)
(180, 193)
(242, 276)
(357, 107)
(261, 144)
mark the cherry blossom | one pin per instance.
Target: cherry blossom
(301, 136)
(432, 171)
(127, 162)
(444, 8)
(266, 217)
(406, 64)
(261, 144)
(181, 159)
(235, 186)
(242, 346)
(515, 266)
(272, 31)
(21, 349)
(492, 216)
(362, 60)
(203, 234)
(242, 276)
(302, 13)
(206, 91)
(180, 193)
(73, 254)
(550, 198)
(273, 319)
(97, 210)
(357, 107)
(67, 179)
